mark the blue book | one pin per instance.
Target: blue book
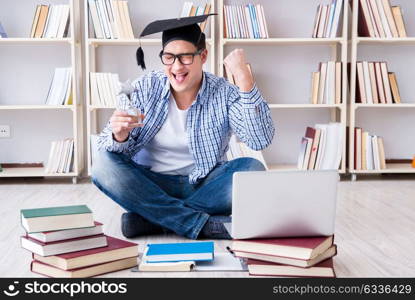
(251, 13)
(331, 16)
(257, 32)
(3, 33)
(196, 251)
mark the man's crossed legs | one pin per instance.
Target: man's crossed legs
(161, 203)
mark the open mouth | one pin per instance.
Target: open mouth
(180, 77)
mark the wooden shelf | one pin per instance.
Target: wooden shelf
(92, 108)
(390, 168)
(394, 105)
(386, 41)
(275, 106)
(32, 172)
(36, 41)
(284, 41)
(37, 107)
(289, 167)
(129, 42)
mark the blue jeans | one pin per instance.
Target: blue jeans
(168, 200)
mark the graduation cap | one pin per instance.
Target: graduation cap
(185, 29)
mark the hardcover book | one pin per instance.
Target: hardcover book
(56, 218)
(59, 235)
(297, 248)
(50, 271)
(196, 251)
(330, 252)
(115, 250)
(261, 268)
(59, 247)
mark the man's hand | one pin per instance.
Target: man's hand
(122, 123)
(236, 63)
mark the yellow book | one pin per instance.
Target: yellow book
(35, 21)
(397, 15)
(381, 153)
(394, 87)
(315, 80)
(207, 11)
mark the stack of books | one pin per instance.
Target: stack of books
(377, 18)
(375, 84)
(3, 33)
(189, 9)
(61, 157)
(176, 256)
(60, 92)
(369, 152)
(245, 22)
(288, 257)
(66, 242)
(111, 19)
(326, 83)
(104, 88)
(327, 21)
(321, 147)
(50, 21)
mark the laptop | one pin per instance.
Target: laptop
(283, 204)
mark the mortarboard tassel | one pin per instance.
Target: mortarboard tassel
(140, 58)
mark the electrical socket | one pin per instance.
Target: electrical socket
(4, 131)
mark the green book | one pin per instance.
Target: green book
(1, 169)
(55, 211)
(56, 218)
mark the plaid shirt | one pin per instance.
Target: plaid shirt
(220, 109)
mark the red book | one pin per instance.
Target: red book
(115, 250)
(90, 271)
(59, 247)
(330, 252)
(261, 268)
(59, 235)
(313, 134)
(299, 248)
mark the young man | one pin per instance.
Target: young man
(169, 172)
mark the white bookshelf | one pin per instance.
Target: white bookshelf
(284, 41)
(291, 33)
(97, 50)
(38, 107)
(392, 121)
(24, 110)
(33, 41)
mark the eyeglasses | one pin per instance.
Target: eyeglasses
(184, 58)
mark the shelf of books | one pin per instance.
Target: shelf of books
(286, 41)
(39, 92)
(389, 41)
(381, 88)
(111, 30)
(298, 58)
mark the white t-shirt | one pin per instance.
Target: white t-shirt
(168, 152)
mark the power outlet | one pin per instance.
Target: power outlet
(4, 131)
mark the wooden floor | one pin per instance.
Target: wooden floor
(375, 225)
